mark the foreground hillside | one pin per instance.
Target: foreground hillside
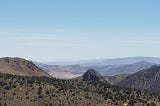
(44, 91)
(19, 66)
(148, 79)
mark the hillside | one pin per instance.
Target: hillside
(148, 79)
(19, 66)
(45, 91)
(115, 79)
(92, 75)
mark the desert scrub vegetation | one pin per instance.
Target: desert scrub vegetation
(44, 91)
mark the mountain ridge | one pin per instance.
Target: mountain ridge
(92, 75)
(112, 61)
(148, 79)
(72, 71)
(20, 66)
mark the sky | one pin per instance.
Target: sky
(65, 30)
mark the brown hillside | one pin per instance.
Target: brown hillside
(19, 66)
(148, 79)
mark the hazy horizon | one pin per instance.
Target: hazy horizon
(77, 61)
(79, 30)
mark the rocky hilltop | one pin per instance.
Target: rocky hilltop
(92, 75)
(19, 66)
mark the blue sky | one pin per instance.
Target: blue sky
(58, 30)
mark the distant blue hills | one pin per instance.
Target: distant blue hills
(114, 61)
(106, 67)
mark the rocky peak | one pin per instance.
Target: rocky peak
(92, 75)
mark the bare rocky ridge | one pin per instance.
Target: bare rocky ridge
(19, 66)
(92, 75)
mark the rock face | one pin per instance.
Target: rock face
(19, 66)
(148, 79)
(92, 75)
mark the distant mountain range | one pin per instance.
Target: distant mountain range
(125, 69)
(19, 66)
(114, 61)
(106, 67)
